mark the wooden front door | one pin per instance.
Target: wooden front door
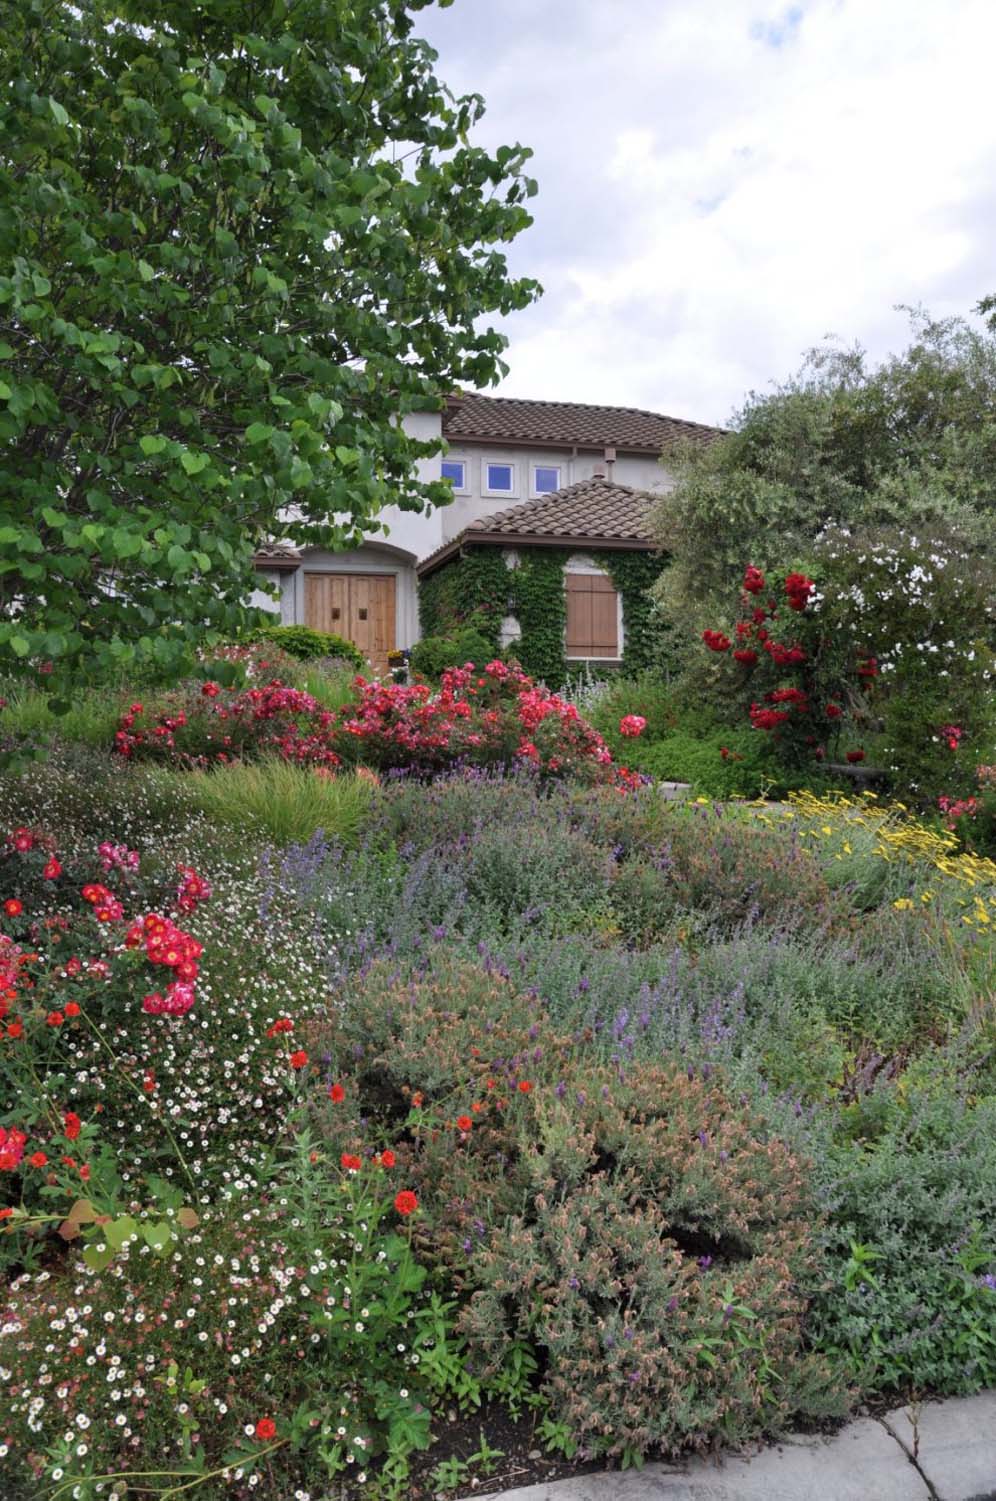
(359, 606)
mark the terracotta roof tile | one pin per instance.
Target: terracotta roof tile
(592, 512)
(566, 424)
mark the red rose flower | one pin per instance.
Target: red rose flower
(632, 725)
(753, 580)
(337, 1094)
(210, 690)
(266, 1428)
(406, 1202)
(716, 641)
(854, 756)
(834, 711)
(745, 657)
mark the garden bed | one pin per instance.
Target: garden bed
(502, 1113)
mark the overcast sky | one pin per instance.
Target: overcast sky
(722, 183)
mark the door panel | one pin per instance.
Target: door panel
(359, 606)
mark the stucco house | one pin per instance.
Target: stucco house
(539, 473)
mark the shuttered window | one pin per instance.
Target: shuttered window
(592, 616)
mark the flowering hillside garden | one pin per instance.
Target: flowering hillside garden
(336, 1164)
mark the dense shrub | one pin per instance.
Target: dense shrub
(610, 1218)
(909, 1179)
(433, 654)
(306, 645)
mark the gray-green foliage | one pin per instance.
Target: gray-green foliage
(912, 440)
(237, 243)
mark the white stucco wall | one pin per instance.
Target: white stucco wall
(643, 472)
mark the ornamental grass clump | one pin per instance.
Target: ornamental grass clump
(643, 1231)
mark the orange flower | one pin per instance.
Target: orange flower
(524, 1086)
(406, 1202)
(337, 1094)
(350, 1162)
(387, 1159)
(464, 1122)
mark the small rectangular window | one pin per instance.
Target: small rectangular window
(455, 470)
(500, 478)
(546, 477)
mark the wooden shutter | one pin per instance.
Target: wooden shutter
(592, 616)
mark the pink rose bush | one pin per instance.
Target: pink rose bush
(497, 716)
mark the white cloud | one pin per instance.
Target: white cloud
(723, 184)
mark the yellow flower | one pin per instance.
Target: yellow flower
(903, 904)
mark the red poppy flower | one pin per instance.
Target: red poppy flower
(524, 1086)
(71, 1008)
(266, 1428)
(337, 1094)
(387, 1158)
(15, 1029)
(38, 1159)
(350, 1162)
(54, 1019)
(406, 1202)
(13, 907)
(298, 1059)
(5, 1214)
(464, 1123)
(71, 1125)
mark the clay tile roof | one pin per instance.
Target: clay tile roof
(566, 424)
(593, 513)
(278, 557)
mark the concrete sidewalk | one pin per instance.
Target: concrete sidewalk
(946, 1451)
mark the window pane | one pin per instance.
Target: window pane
(499, 476)
(547, 479)
(453, 471)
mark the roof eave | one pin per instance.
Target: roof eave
(526, 539)
(561, 444)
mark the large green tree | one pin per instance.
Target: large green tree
(846, 443)
(239, 240)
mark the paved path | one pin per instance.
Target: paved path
(944, 1452)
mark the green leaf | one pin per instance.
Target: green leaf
(157, 1236)
(145, 271)
(20, 645)
(4, 391)
(193, 463)
(59, 114)
(151, 444)
(258, 432)
(97, 1260)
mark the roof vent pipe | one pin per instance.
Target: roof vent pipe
(610, 459)
(598, 470)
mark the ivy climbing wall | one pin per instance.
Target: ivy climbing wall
(479, 588)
